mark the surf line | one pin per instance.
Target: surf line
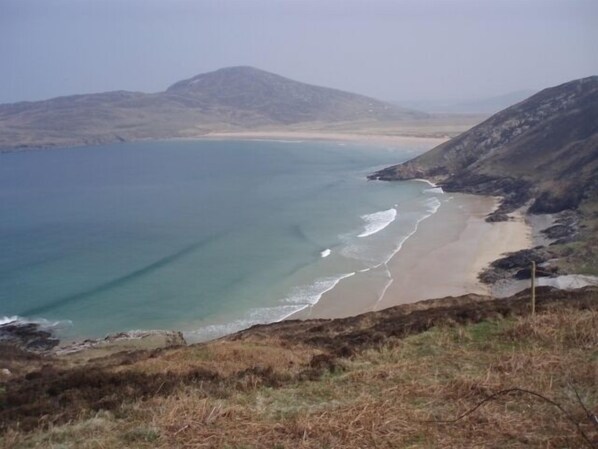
(377, 221)
(433, 206)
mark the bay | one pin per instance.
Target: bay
(203, 236)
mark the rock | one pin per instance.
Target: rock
(29, 336)
(541, 150)
(526, 273)
(521, 259)
(565, 229)
(558, 231)
(515, 265)
(124, 341)
(495, 217)
(550, 202)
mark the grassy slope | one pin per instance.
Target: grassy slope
(263, 390)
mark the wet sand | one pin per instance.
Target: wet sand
(443, 258)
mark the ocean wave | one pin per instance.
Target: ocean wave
(377, 221)
(430, 183)
(434, 190)
(261, 315)
(300, 299)
(311, 294)
(8, 319)
(325, 253)
(42, 322)
(432, 206)
(434, 187)
(363, 251)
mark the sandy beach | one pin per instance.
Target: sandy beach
(365, 138)
(443, 258)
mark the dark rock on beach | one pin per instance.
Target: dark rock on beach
(123, 341)
(517, 265)
(565, 229)
(28, 336)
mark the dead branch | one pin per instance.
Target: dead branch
(521, 391)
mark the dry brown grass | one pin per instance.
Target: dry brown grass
(388, 397)
(228, 357)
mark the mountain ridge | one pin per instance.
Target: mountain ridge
(229, 99)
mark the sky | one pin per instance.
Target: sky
(390, 49)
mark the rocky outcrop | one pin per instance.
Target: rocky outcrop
(28, 336)
(517, 265)
(564, 230)
(544, 150)
(33, 337)
(123, 341)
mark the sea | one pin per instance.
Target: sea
(203, 236)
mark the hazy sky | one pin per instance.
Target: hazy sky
(393, 50)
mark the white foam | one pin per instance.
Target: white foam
(8, 319)
(434, 190)
(42, 322)
(432, 205)
(386, 287)
(377, 221)
(302, 298)
(311, 294)
(430, 183)
(325, 253)
(262, 315)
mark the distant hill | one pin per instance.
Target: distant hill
(543, 149)
(489, 105)
(235, 98)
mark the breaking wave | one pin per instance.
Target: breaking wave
(377, 221)
(41, 322)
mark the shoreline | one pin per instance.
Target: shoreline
(343, 301)
(298, 136)
(442, 258)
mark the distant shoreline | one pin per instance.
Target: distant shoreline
(376, 139)
(295, 136)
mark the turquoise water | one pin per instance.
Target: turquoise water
(203, 236)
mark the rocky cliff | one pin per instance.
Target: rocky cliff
(543, 149)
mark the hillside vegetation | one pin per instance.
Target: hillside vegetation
(456, 372)
(230, 99)
(540, 155)
(543, 149)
